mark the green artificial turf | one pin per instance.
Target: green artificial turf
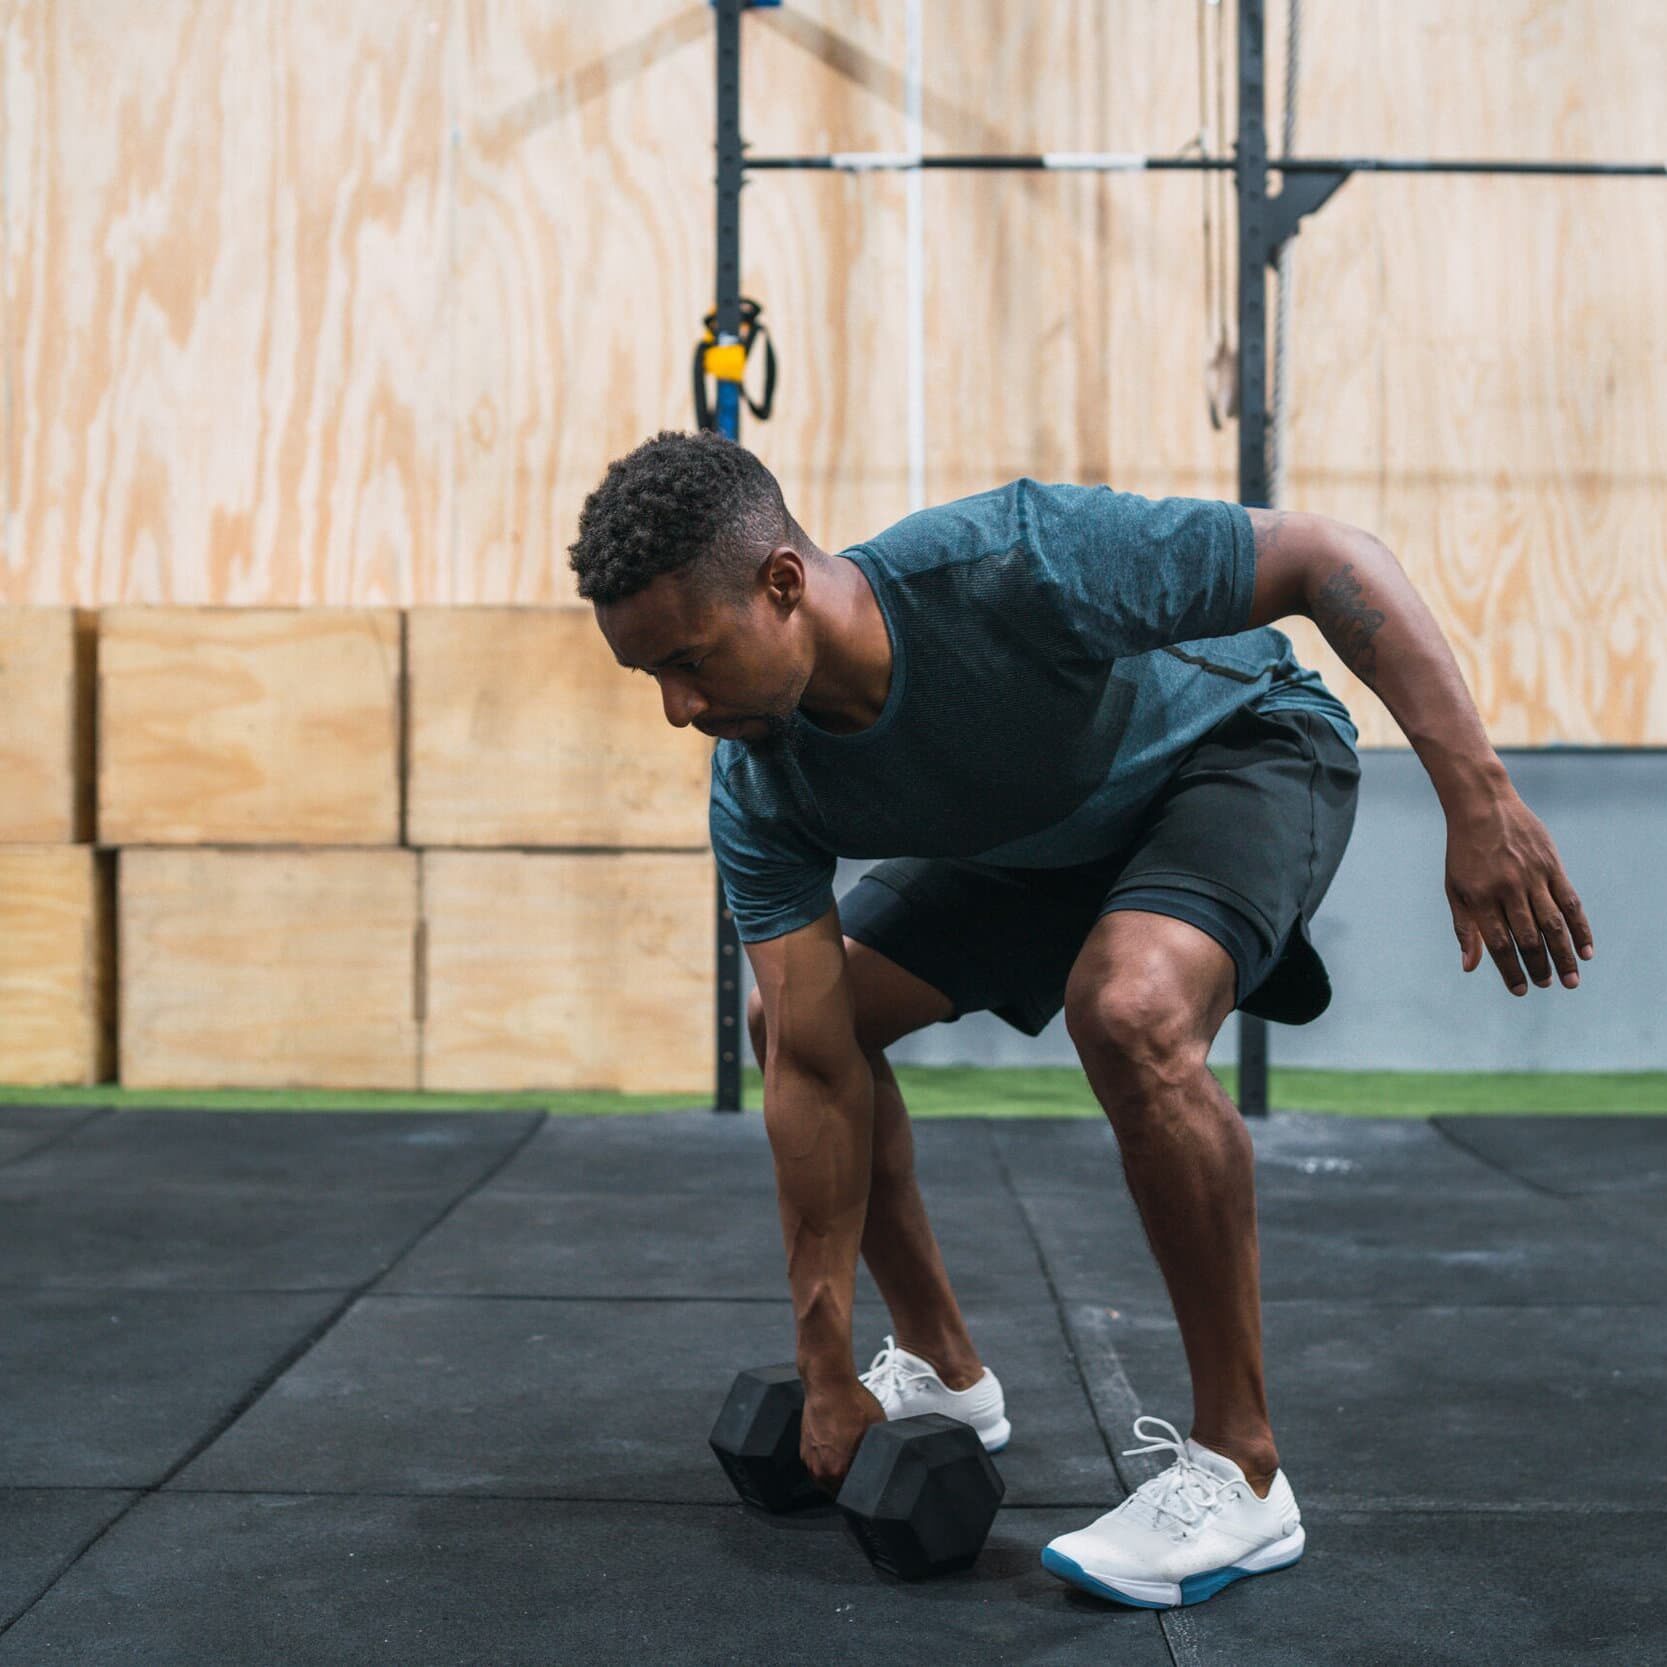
(976, 1091)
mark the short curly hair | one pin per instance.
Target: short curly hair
(697, 504)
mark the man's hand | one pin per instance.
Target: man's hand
(837, 1416)
(1507, 889)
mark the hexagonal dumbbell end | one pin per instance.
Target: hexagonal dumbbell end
(921, 1495)
(756, 1439)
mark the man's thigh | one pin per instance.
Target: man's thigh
(1257, 816)
(1148, 984)
(983, 938)
(1244, 843)
(888, 1001)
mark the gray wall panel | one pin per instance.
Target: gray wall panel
(1385, 930)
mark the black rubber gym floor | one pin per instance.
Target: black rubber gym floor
(366, 1388)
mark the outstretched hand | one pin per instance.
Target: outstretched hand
(1508, 892)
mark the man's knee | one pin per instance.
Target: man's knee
(1145, 999)
(755, 1023)
(1147, 1027)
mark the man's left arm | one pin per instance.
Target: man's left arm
(1505, 881)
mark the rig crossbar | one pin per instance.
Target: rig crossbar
(1121, 162)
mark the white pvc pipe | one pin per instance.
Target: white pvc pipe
(916, 220)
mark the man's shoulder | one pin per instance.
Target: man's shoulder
(753, 789)
(947, 532)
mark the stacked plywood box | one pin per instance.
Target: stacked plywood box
(568, 888)
(55, 938)
(249, 770)
(460, 850)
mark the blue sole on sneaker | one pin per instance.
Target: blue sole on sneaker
(1194, 1589)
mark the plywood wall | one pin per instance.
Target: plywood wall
(331, 301)
(227, 295)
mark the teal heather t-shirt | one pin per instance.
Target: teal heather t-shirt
(1056, 649)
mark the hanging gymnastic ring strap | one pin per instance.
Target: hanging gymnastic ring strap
(727, 362)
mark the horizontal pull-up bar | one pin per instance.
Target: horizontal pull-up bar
(1413, 165)
(1121, 162)
(1099, 162)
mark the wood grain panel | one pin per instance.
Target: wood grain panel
(46, 716)
(249, 726)
(1505, 339)
(226, 251)
(268, 969)
(584, 208)
(525, 731)
(57, 960)
(827, 256)
(585, 230)
(1066, 311)
(562, 972)
(353, 303)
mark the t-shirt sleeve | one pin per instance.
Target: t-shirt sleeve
(775, 878)
(1135, 574)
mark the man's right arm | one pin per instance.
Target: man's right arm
(819, 1114)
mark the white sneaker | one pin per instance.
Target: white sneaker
(1183, 1535)
(905, 1385)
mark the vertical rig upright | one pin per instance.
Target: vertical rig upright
(1251, 179)
(728, 414)
(1265, 223)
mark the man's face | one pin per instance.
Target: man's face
(728, 672)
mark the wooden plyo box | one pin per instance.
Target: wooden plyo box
(46, 725)
(524, 731)
(249, 726)
(268, 969)
(569, 971)
(56, 965)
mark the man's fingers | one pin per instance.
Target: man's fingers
(1557, 939)
(1538, 936)
(1568, 905)
(1496, 934)
(1525, 929)
(1518, 903)
(1470, 942)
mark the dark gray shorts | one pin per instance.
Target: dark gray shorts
(1242, 842)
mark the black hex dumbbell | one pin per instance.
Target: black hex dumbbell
(921, 1493)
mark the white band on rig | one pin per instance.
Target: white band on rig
(874, 161)
(1096, 161)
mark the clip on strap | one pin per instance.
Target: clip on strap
(727, 361)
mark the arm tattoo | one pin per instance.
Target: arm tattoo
(1268, 525)
(1349, 624)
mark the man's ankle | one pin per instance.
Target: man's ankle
(1259, 1461)
(957, 1369)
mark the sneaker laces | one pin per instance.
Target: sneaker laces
(889, 1374)
(1185, 1491)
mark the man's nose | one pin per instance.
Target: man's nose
(682, 705)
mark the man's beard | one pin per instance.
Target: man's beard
(781, 738)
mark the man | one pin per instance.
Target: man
(1101, 784)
